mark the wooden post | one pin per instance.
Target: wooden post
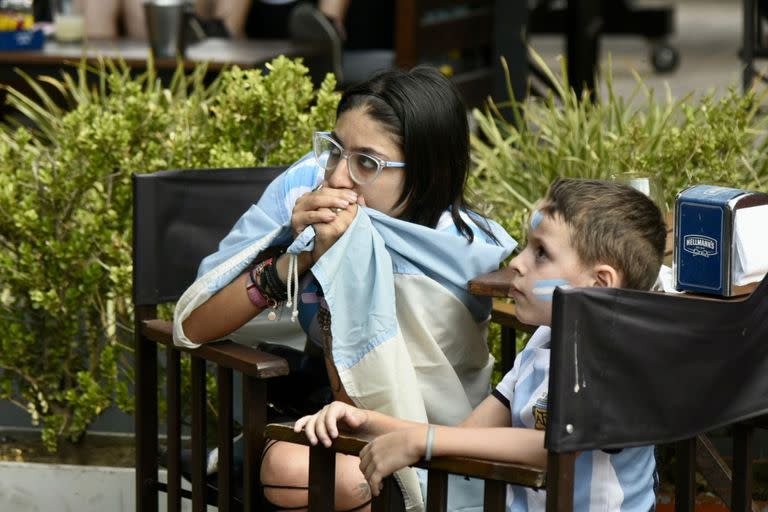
(741, 494)
(225, 434)
(437, 490)
(495, 497)
(199, 449)
(173, 449)
(560, 470)
(685, 481)
(254, 421)
(146, 414)
(322, 479)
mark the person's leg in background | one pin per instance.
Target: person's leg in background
(101, 18)
(268, 19)
(132, 17)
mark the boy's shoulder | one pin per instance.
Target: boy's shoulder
(540, 338)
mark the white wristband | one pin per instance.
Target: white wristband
(430, 441)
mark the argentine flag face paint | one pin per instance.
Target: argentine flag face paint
(544, 288)
(536, 217)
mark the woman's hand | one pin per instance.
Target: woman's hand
(323, 425)
(390, 452)
(326, 233)
(320, 206)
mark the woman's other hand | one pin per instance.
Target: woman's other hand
(326, 233)
(323, 425)
(390, 452)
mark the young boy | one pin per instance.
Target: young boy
(584, 233)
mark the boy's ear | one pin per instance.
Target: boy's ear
(606, 276)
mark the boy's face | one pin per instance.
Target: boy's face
(547, 261)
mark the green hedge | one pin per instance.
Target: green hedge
(521, 147)
(692, 140)
(65, 211)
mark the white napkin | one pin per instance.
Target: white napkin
(665, 282)
(750, 243)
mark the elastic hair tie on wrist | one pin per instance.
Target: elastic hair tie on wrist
(430, 442)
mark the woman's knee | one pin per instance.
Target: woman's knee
(287, 465)
(284, 475)
(352, 490)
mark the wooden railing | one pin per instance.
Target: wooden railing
(322, 470)
(257, 367)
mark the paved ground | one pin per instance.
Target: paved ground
(708, 36)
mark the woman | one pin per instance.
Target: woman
(377, 216)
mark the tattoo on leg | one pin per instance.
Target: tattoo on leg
(364, 491)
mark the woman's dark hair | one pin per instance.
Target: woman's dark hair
(426, 117)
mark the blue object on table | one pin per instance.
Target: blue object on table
(704, 237)
(22, 40)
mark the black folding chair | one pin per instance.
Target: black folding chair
(654, 368)
(178, 218)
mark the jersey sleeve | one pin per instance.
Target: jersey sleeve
(505, 390)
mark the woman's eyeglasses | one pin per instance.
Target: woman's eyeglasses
(363, 168)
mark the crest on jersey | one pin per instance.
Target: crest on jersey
(540, 412)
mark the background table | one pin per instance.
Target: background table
(55, 58)
(217, 52)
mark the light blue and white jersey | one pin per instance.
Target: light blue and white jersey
(605, 481)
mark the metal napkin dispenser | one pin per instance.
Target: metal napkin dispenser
(720, 239)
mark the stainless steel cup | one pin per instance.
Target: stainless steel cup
(166, 22)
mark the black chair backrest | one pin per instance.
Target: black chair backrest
(179, 218)
(639, 368)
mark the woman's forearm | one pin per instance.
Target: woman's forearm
(303, 264)
(230, 308)
(222, 314)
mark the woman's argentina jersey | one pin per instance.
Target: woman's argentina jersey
(618, 481)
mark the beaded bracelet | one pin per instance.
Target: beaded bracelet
(252, 288)
(256, 297)
(271, 284)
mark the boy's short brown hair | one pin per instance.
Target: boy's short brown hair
(613, 224)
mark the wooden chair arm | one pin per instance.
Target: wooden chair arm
(352, 444)
(496, 284)
(504, 313)
(492, 284)
(248, 360)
